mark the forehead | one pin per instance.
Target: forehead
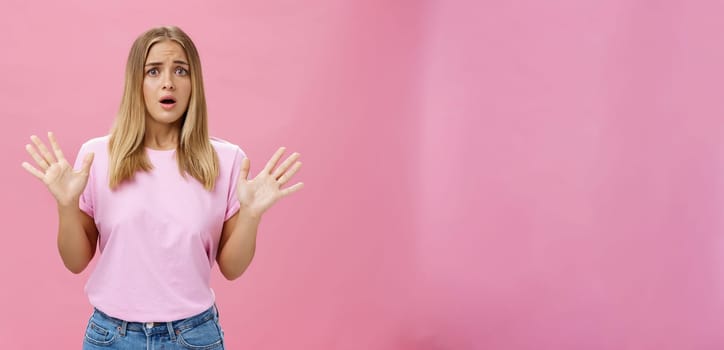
(166, 50)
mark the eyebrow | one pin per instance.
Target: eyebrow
(159, 63)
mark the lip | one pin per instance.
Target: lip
(167, 106)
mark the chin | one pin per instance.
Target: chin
(166, 119)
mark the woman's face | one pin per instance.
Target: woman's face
(167, 82)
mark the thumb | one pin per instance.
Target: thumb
(245, 165)
(87, 161)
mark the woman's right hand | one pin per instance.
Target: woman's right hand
(62, 181)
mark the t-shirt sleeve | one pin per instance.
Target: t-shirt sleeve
(85, 203)
(232, 205)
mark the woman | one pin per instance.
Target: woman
(163, 201)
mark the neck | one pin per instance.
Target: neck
(161, 136)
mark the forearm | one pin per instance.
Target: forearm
(238, 250)
(74, 245)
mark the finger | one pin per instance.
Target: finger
(289, 190)
(87, 162)
(288, 175)
(245, 165)
(285, 165)
(56, 147)
(31, 169)
(38, 159)
(43, 151)
(274, 159)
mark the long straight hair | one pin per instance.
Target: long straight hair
(194, 153)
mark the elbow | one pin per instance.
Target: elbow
(233, 271)
(75, 260)
(230, 276)
(75, 264)
(75, 268)
(76, 271)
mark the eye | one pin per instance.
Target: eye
(152, 72)
(181, 71)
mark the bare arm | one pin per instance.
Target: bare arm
(238, 236)
(77, 233)
(237, 244)
(77, 237)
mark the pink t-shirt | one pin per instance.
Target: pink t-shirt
(158, 234)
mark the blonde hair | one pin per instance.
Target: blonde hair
(194, 153)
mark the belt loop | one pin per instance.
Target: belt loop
(216, 312)
(171, 333)
(124, 325)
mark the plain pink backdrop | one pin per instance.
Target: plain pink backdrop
(479, 174)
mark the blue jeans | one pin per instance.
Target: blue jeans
(200, 332)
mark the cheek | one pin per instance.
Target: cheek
(186, 88)
(147, 89)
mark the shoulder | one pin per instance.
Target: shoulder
(96, 144)
(226, 150)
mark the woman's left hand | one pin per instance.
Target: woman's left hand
(259, 194)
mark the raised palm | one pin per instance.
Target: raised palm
(64, 183)
(259, 194)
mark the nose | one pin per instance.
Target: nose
(168, 84)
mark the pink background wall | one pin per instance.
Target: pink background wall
(534, 175)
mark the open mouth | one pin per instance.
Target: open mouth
(167, 102)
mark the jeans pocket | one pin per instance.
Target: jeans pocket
(205, 336)
(98, 334)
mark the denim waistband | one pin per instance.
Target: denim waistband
(173, 327)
